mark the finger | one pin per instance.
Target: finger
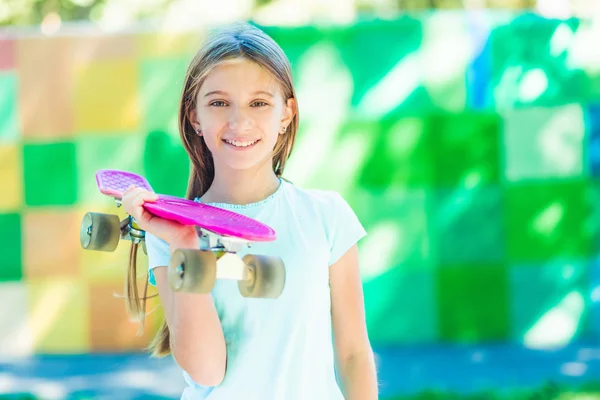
(130, 189)
(143, 196)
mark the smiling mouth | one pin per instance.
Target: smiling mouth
(241, 144)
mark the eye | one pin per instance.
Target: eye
(217, 103)
(259, 103)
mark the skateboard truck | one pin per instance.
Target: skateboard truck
(131, 231)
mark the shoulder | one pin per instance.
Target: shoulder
(327, 205)
(321, 199)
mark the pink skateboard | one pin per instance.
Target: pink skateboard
(223, 234)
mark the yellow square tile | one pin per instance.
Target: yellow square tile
(59, 315)
(15, 334)
(99, 266)
(157, 45)
(106, 97)
(11, 178)
(51, 243)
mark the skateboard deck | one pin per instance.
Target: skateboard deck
(222, 222)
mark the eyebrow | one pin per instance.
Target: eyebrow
(225, 93)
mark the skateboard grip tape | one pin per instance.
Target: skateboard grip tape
(114, 183)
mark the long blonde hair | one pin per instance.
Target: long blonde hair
(239, 41)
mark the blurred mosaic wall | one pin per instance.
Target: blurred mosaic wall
(468, 144)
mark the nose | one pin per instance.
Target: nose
(239, 120)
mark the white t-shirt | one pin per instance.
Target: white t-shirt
(281, 349)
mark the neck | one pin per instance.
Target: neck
(241, 187)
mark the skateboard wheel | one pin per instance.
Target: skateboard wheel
(192, 271)
(100, 232)
(265, 277)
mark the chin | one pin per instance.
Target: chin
(245, 161)
(242, 163)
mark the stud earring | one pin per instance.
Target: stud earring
(284, 129)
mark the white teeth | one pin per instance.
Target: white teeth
(240, 144)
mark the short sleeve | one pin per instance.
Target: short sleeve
(344, 228)
(158, 255)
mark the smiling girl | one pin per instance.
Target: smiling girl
(238, 120)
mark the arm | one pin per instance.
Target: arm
(197, 341)
(196, 336)
(354, 356)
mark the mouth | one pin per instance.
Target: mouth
(241, 145)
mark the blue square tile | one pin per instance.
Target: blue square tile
(593, 135)
(594, 300)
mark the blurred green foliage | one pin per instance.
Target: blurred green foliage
(33, 12)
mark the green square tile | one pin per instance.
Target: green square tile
(166, 163)
(472, 303)
(545, 143)
(398, 233)
(468, 225)
(545, 220)
(379, 61)
(161, 84)
(10, 237)
(296, 41)
(8, 107)
(593, 83)
(540, 293)
(399, 155)
(105, 152)
(351, 141)
(447, 36)
(594, 216)
(400, 307)
(465, 148)
(529, 66)
(50, 174)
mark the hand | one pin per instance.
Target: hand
(133, 201)
(170, 231)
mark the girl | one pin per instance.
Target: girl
(238, 119)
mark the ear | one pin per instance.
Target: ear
(289, 112)
(193, 117)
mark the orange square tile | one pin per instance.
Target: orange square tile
(88, 49)
(11, 178)
(111, 328)
(106, 97)
(51, 243)
(159, 45)
(15, 334)
(45, 87)
(58, 315)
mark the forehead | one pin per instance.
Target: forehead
(239, 75)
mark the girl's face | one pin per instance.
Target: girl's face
(241, 112)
